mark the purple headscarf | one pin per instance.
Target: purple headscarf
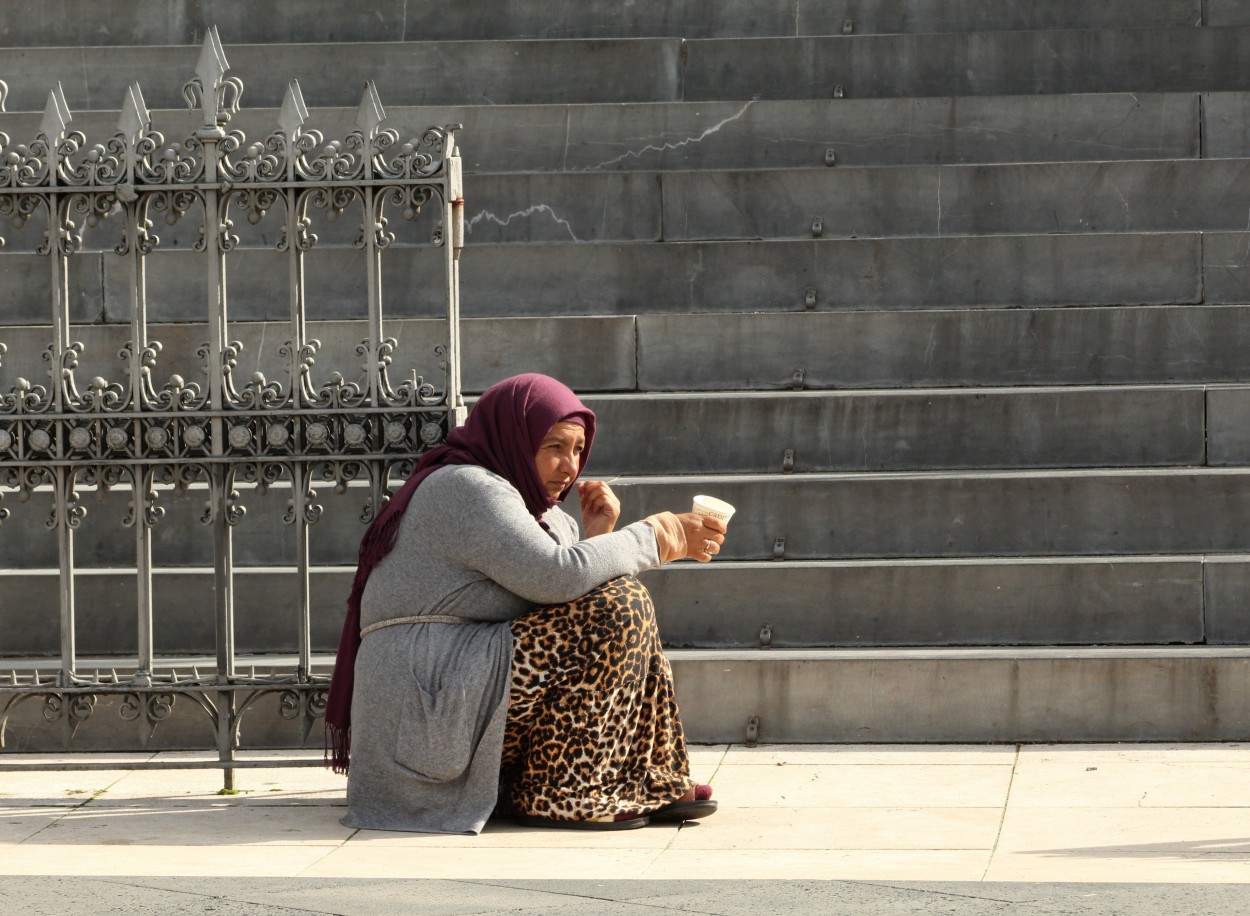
(502, 434)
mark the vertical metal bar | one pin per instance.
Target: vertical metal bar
(300, 482)
(373, 267)
(143, 571)
(295, 269)
(374, 276)
(223, 545)
(214, 261)
(223, 541)
(64, 485)
(453, 219)
(227, 710)
(63, 478)
(301, 476)
(143, 533)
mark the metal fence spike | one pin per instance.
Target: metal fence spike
(370, 113)
(294, 112)
(212, 65)
(56, 115)
(135, 120)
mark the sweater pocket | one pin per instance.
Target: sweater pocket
(434, 741)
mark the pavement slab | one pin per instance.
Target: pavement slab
(968, 829)
(863, 785)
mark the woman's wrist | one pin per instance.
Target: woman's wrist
(670, 536)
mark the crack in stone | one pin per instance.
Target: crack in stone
(526, 213)
(651, 148)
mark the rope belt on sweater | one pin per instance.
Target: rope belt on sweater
(426, 618)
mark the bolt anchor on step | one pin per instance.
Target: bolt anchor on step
(753, 731)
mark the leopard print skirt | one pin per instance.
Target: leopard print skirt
(593, 729)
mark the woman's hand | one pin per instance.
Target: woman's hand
(600, 507)
(704, 535)
(686, 536)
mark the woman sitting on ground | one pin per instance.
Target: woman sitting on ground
(501, 662)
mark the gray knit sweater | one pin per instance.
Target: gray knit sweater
(430, 699)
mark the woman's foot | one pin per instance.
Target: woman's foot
(694, 804)
(617, 822)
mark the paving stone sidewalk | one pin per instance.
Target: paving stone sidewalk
(812, 828)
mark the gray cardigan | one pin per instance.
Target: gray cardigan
(430, 699)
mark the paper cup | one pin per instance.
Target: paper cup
(716, 508)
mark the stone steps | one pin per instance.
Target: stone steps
(828, 279)
(1010, 367)
(519, 72)
(766, 351)
(906, 202)
(772, 133)
(1023, 601)
(968, 695)
(175, 22)
(933, 429)
(1157, 693)
(914, 201)
(967, 64)
(944, 348)
(868, 515)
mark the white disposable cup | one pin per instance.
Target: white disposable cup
(716, 508)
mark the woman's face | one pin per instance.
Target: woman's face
(559, 457)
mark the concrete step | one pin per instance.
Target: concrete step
(755, 433)
(1225, 128)
(1164, 693)
(1063, 601)
(949, 348)
(587, 353)
(966, 514)
(655, 69)
(726, 604)
(695, 279)
(964, 201)
(665, 136)
(84, 23)
(969, 64)
(911, 201)
(898, 201)
(406, 73)
(816, 516)
(1128, 345)
(719, 277)
(695, 19)
(1137, 197)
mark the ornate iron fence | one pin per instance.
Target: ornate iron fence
(153, 435)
